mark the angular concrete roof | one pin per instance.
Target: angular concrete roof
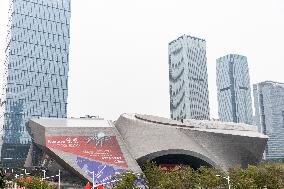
(221, 145)
(72, 122)
(203, 125)
(82, 146)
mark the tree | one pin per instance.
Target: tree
(127, 180)
(2, 179)
(207, 178)
(182, 177)
(243, 178)
(270, 175)
(154, 175)
(34, 183)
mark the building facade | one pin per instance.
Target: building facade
(233, 89)
(36, 70)
(269, 116)
(188, 79)
(135, 139)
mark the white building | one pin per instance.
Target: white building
(233, 89)
(269, 116)
(188, 78)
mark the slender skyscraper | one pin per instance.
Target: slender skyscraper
(188, 78)
(233, 88)
(269, 116)
(35, 80)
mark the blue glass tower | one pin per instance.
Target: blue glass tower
(233, 86)
(269, 116)
(36, 70)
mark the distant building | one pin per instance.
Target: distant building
(233, 89)
(269, 116)
(188, 79)
(36, 71)
(92, 117)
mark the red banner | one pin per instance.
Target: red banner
(99, 147)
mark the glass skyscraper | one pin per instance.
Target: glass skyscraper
(233, 88)
(36, 70)
(269, 116)
(188, 79)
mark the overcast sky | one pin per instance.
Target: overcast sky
(119, 49)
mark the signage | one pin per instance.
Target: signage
(97, 147)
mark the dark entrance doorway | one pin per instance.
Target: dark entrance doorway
(180, 159)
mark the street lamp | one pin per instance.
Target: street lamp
(44, 171)
(93, 178)
(25, 171)
(227, 178)
(58, 178)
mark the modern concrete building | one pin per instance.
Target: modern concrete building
(269, 116)
(35, 80)
(99, 146)
(233, 88)
(188, 79)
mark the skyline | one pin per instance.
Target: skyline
(129, 67)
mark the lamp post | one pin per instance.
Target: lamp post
(44, 177)
(44, 171)
(58, 179)
(227, 178)
(93, 178)
(25, 171)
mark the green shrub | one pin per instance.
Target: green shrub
(35, 183)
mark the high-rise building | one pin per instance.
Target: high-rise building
(36, 70)
(233, 88)
(188, 78)
(269, 116)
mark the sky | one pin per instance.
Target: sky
(119, 49)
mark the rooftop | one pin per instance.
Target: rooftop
(202, 125)
(187, 36)
(271, 82)
(72, 122)
(233, 54)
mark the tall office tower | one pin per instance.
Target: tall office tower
(233, 88)
(36, 70)
(269, 113)
(188, 78)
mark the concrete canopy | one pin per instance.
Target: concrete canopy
(221, 145)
